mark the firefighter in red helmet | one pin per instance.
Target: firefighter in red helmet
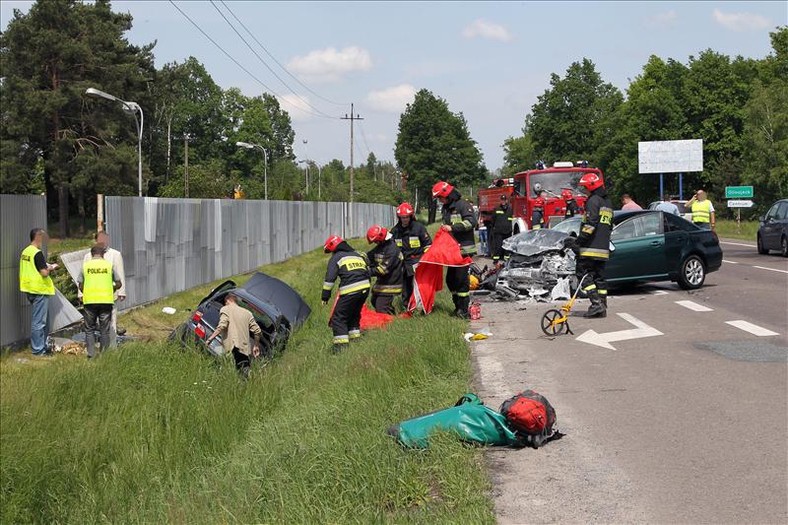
(386, 264)
(353, 272)
(501, 228)
(593, 242)
(572, 208)
(413, 240)
(537, 217)
(460, 221)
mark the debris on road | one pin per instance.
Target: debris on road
(477, 336)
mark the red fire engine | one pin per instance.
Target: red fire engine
(523, 189)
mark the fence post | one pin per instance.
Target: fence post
(99, 213)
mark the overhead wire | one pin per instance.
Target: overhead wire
(228, 55)
(305, 101)
(318, 95)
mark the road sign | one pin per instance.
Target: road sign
(604, 339)
(740, 204)
(739, 192)
(670, 156)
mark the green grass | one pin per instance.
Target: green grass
(746, 231)
(153, 433)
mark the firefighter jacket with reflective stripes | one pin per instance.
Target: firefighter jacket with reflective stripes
(413, 240)
(30, 279)
(594, 238)
(386, 263)
(350, 267)
(502, 220)
(572, 208)
(458, 214)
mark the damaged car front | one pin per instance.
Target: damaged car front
(540, 266)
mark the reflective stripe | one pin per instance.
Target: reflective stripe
(602, 292)
(414, 242)
(387, 288)
(587, 228)
(589, 288)
(537, 227)
(341, 339)
(327, 285)
(597, 253)
(352, 262)
(354, 334)
(499, 212)
(354, 287)
(701, 211)
(511, 218)
(399, 242)
(30, 279)
(463, 294)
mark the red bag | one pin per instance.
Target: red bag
(529, 413)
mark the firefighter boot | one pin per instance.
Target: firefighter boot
(597, 308)
(462, 305)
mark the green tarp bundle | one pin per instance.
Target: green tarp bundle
(469, 420)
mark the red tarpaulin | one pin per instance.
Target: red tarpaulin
(445, 251)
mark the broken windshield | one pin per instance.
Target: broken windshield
(554, 181)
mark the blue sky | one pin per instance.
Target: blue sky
(488, 60)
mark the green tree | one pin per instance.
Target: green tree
(433, 144)
(49, 56)
(519, 154)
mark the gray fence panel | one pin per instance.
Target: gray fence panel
(171, 245)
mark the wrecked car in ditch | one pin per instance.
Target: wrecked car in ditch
(646, 246)
(277, 308)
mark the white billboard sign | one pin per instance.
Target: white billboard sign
(670, 156)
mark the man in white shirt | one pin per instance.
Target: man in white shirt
(667, 207)
(114, 256)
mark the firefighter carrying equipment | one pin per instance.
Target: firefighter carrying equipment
(30, 279)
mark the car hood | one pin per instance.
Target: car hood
(534, 242)
(282, 296)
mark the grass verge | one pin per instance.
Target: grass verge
(153, 433)
(746, 231)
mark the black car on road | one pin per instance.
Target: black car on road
(773, 231)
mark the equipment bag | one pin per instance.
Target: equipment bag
(531, 416)
(469, 420)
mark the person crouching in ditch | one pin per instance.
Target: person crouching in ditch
(236, 322)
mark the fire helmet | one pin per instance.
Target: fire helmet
(377, 233)
(405, 210)
(441, 190)
(566, 194)
(331, 243)
(539, 202)
(591, 181)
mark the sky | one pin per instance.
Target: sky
(488, 60)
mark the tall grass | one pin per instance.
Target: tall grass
(153, 433)
(745, 231)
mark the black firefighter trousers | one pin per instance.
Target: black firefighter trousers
(459, 284)
(346, 321)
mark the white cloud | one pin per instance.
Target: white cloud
(483, 29)
(296, 107)
(741, 21)
(330, 64)
(665, 19)
(393, 99)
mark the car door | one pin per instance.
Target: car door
(640, 249)
(771, 227)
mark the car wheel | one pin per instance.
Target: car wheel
(784, 246)
(692, 273)
(761, 249)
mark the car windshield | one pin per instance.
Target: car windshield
(568, 226)
(554, 182)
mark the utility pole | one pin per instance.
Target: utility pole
(186, 138)
(351, 118)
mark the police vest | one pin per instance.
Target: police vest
(30, 279)
(98, 287)
(701, 211)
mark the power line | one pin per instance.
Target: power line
(228, 55)
(318, 95)
(265, 63)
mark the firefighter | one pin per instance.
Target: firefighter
(593, 243)
(353, 272)
(537, 217)
(386, 264)
(460, 221)
(572, 208)
(502, 228)
(413, 240)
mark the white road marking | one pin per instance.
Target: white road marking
(695, 307)
(738, 244)
(729, 262)
(659, 292)
(770, 269)
(604, 340)
(754, 329)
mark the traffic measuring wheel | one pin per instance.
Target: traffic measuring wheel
(552, 323)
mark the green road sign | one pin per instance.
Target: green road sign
(738, 192)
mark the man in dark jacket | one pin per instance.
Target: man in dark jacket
(413, 240)
(386, 264)
(593, 243)
(460, 221)
(502, 228)
(353, 272)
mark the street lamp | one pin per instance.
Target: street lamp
(306, 173)
(131, 107)
(249, 145)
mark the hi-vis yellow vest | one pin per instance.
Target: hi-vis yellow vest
(98, 287)
(30, 280)
(701, 211)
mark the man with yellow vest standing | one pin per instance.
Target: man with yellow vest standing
(34, 280)
(98, 282)
(702, 211)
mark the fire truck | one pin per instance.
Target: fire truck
(526, 186)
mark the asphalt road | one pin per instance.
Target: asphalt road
(687, 423)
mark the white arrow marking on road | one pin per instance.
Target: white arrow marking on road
(604, 340)
(695, 307)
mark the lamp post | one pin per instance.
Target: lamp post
(249, 145)
(306, 173)
(131, 107)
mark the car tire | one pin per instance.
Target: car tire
(692, 273)
(784, 246)
(761, 249)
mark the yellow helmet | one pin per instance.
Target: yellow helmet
(474, 282)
